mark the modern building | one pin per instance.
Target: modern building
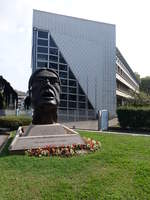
(127, 84)
(21, 98)
(83, 52)
(8, 96)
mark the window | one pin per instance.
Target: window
(81, 105)
(42, 42)
(63, 96)
(63, 103)
(61, 59)
(72, 90)
(72, 104)
(63, 74)
(81, 98)
(90, 105)
(42, 50)
(80, 90)
(52, 42)
(62, 67)
(42, 57)
(71, 75)
(53, 65)
(42, 64)
(42, 34)
(64, 89)
(63, 81)
(53, 51)
(72, 97)
(53, 58)
(72, 83)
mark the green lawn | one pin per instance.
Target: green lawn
(121, 170)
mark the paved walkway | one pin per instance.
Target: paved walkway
(92, 125)
(89, 125)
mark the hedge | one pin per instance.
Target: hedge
(134, 117)
(13, 122)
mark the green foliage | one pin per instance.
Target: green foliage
(137, 76)
(134, 117)
(13, 122)
(145, 85)
(2, 101)
(119, 171)
(140, 99)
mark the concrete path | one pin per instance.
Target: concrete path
(89, 125)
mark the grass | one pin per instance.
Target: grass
(121, 170)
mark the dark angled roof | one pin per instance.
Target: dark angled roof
(7, 85)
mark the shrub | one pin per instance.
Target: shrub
(13, 122)
(134, 117)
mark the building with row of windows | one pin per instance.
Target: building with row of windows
(126, 83)
(8, 96)
(93, 73)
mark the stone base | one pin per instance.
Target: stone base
(35, 136)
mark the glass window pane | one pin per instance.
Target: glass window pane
(72, 104)
(72, 90)
(53, 65)
(42, 34)
(90, 105)
(72, 83)
(61, 59)
(63, 81)
(63, 96)
(73, 97)
(42, 42)
(42, 57)
(81, 98)
(62, 67)
(63, 74)
(63, 103)
(42, 50)
(52, 42)
(80, 90)
(81, 105)
(71, 75)
(42, 64)
(53, 51)
(64, 89)
(53, 58)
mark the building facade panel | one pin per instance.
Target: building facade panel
(89, 49)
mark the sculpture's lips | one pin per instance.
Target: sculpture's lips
(48, 95)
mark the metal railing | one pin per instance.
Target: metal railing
(63, 115)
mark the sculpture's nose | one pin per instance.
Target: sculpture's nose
(48, 81)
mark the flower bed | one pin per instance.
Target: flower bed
(70, 150)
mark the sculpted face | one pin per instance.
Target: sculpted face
(44, 89)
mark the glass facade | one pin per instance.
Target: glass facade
(48, 55)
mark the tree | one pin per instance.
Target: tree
(140, 99)
(145, 85)
(2, 101)
(137, 76)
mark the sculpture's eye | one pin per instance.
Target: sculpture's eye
(53, 80)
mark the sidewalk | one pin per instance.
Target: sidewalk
(89, 125)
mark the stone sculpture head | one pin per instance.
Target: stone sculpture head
(44, 91)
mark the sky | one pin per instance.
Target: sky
(131, 18)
